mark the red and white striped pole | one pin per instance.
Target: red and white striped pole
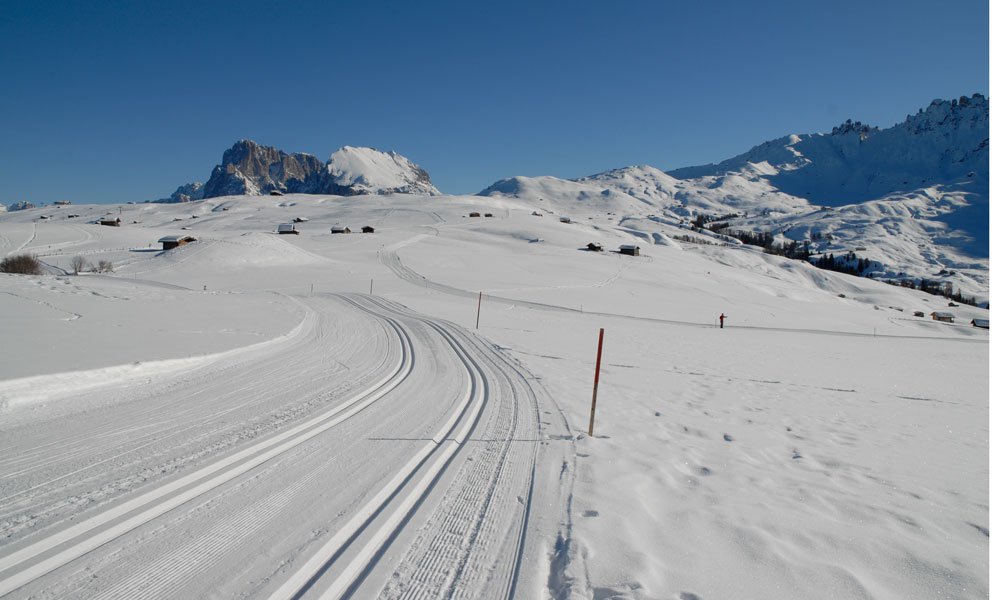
(597, 378)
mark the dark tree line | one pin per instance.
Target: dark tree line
(849, 263)
(937, 289)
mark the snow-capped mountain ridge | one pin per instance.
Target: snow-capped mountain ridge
(945, 143)
(249, 168)
(914, 196)
(369, 171)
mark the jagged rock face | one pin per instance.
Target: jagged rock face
(945, 143)
(251, 169)
(23, 205)
(185, 193)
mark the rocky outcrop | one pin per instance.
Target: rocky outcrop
(188, 192)
(251, 169)
(22, 205)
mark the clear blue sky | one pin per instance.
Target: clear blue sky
(119, 101)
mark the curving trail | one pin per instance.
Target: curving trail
(169, 489)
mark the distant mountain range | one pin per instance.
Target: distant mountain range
(913, 198)
(251, 169)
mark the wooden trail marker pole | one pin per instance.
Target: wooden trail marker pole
(371, 288)
(597, 378)
(479, 307)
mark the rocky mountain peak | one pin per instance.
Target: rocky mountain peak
(249, 168)
(850, 127)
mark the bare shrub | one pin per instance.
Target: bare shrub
(105, 266)
(78, 264)
(22, 264)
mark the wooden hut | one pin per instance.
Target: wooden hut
(117, 222)
(287, 228)
(473, 214)
(630, 249)
(172, 241)
(595, 247)
(340, 229)
(944, 317)
(981, 323)
(367, 229)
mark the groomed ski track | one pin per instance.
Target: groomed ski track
(374, 452)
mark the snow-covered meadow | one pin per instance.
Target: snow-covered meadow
(182, 411)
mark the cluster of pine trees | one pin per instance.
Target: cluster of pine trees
(849, 263)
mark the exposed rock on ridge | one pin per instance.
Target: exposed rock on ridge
(249, 168)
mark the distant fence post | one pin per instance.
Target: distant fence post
(479, 308)
(597, 378)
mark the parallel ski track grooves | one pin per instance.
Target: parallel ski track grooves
(477, 508)
(441, 449)
(155, 409)
(275, 372)
(119, 520)
(477, 513)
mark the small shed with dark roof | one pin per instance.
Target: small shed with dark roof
(172, 241)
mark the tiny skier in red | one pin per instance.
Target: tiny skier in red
(722, 320)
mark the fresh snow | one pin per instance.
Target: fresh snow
(240, 416)
(367, 170)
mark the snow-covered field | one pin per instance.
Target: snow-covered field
(316, 415)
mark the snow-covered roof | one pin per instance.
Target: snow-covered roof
(946, 315)
(628, 247)
(175, 238)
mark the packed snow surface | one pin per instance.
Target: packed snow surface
(324, 415)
